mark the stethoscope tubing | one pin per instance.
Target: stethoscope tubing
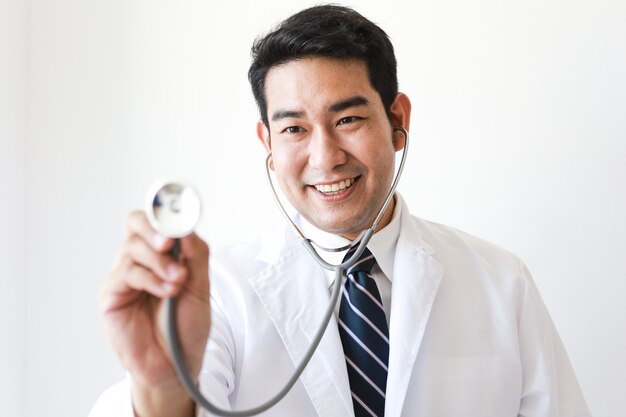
(173, 341)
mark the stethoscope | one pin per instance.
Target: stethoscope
(173, 209)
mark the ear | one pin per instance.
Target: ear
(263, 134)
(400, 116)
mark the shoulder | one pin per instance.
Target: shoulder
(445, 238)
(451, 246)
(238, 257)
(245, 258)
(480, 278)
(232, 266)
(469, 258)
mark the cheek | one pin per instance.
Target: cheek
(384, 170)
(285, 167)
(379, 157)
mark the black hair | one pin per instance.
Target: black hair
(327, 31)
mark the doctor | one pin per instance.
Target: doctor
(468, 334)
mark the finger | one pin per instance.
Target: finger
(139, 252)
(137, 224)
(121, 290)
(141, 279)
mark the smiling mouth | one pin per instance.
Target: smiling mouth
(336, 187)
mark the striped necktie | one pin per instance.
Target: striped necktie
(365, 337)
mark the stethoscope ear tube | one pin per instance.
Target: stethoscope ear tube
(173, 341)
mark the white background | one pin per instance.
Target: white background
(518, 136)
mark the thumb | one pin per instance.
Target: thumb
(194, 249)
(194, 254)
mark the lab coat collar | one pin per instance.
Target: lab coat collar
(292, 276)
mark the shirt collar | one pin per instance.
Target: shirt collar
(382, 245)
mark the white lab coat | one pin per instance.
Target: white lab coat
(469, 333)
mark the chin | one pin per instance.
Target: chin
(345, 228)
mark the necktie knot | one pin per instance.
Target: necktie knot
(365, 263)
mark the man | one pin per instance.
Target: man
(461, 329)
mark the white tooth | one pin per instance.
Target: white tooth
(331, 188)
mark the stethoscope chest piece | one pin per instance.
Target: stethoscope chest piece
(173, 208)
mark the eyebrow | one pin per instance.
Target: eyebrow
(285, 114)
(347, 103)
(333, 108)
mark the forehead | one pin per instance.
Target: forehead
(317, 81)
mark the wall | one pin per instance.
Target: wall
(518, 136)
(13, 114)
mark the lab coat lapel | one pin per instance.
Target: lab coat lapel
(294, 292)
(416, 279)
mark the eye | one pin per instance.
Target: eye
(348, 119)
(292, 129)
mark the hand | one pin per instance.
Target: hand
(133, 307)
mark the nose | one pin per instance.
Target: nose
(325, 151)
